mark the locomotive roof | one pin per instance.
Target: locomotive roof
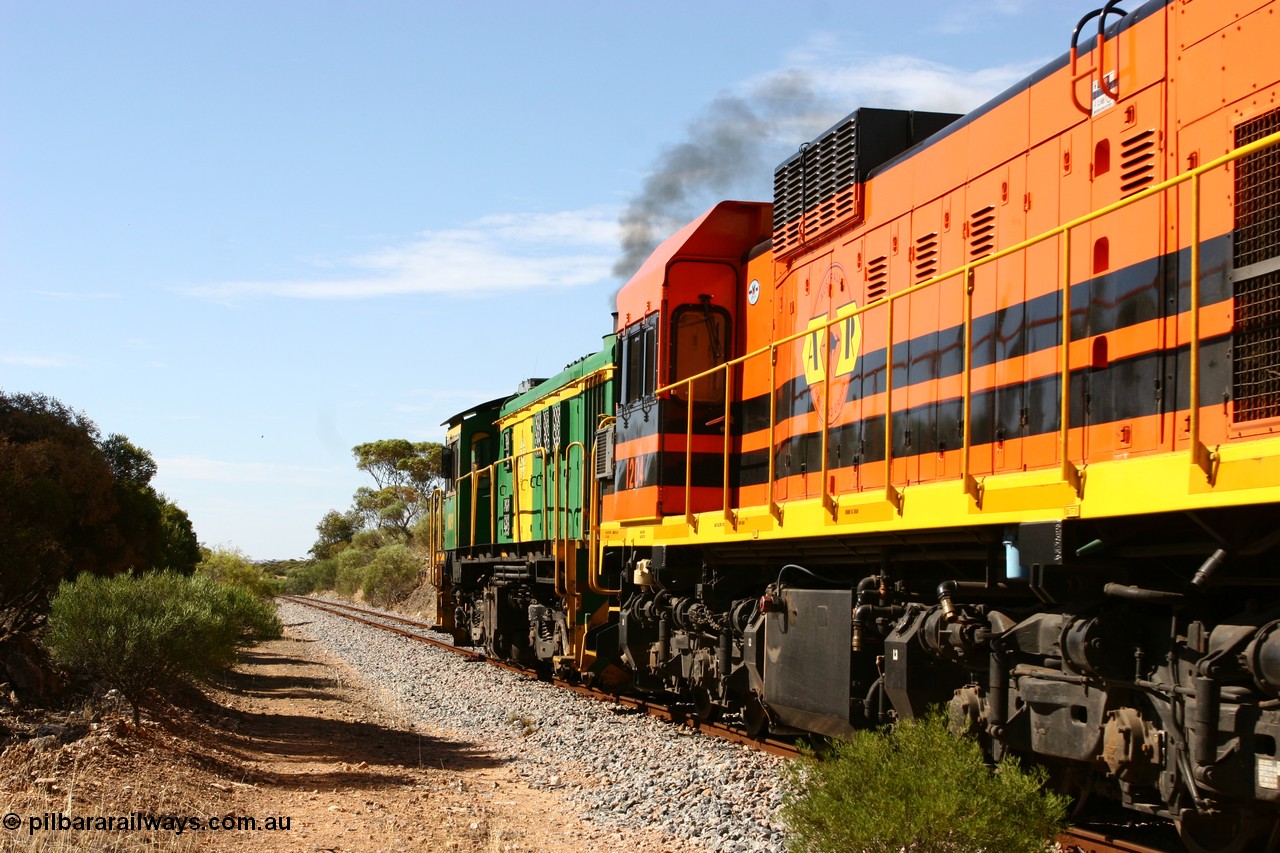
(716, 234)
(1085, 45)
(454, 420)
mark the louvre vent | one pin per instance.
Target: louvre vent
(982, 232)
(926, 256)
(877, 278)
(1138, 162)
(1257, 186)
(604, 454)
(817, 189)
(818, 192)
(1256, 367)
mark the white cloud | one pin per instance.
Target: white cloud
(38, 361)
(855, 78)
(975, 15)
(495, 254)
(186, 468)
(908, 82)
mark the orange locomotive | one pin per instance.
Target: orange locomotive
(861, 467)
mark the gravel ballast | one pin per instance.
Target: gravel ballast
(617, 767)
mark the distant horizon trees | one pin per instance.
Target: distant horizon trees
(374, 547)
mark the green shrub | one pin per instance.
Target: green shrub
(391, 575)
(311, 575)
(324, 574)
(917, 788)
(299, 582)
(349, 575)
(231, 566)
(148, 633)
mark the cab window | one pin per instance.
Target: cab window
(640, 360)
(701, 341)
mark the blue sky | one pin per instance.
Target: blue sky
(251, 235)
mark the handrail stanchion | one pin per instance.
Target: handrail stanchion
(728, 436)
(595, 544)
(891, 494)
(966, 457)
(775, 509)
(688, 453)
(1200, 455)
(1070, 473)
(828, 499)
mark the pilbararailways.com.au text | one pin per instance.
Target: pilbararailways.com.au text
(142, 822)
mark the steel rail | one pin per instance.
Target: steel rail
(674, 714)
(1077, 840)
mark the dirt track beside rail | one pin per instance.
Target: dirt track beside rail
(291, 734)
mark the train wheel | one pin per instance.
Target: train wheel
(705, 708)
(755, 718)
(1219, 832)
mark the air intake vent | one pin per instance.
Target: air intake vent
(814, 190)
(1138, 162)
(877, 278)
(818, 191)
(982, 232)
(604, 454)
(1256, 368)
(1257, 185)
(926, 256)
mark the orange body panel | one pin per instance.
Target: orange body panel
(1017, 168)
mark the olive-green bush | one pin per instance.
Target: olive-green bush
(917, 788)
(391, 575)
(230, 566)
(140, 634)
(310, 576)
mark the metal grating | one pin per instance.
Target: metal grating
(926, 256)
(604, 454)
(1257, 187)
(1138, 158)
(1256, 368)
(816, 191)
(982, 232)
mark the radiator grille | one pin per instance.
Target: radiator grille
(1256, 368)
(1256, 342)
(1257, 185)
(816, 191)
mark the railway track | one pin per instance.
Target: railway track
(1075, 840)
(675, 714)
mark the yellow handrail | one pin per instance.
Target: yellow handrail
(595, 555)
(474, 476)
(1200, 454)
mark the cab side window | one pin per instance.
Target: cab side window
(640, 360)
(701, 342)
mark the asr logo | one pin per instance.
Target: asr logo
(837, 350)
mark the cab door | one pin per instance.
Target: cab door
(695, 421)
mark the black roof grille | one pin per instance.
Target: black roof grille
(817, 192)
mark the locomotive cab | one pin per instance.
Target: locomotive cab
(678, 320)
